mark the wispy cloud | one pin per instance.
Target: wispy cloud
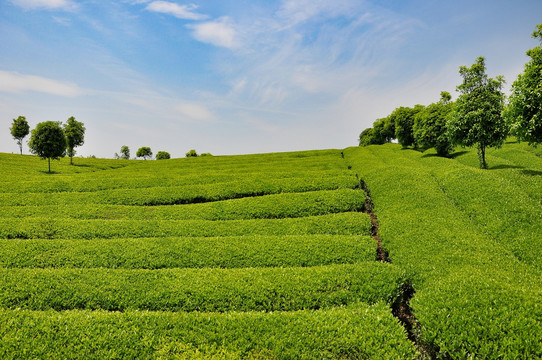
(195, 111)
(179, 11)
(45, 4)
(219, 33)
(14, 82)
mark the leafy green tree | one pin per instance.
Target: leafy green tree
(383, 131)
(162, 155)
(404, 122)
(144, 152)
(366, 137)
(47, 141)
(19, 129)
(192, 153)
(430, 126)
(206, 154)
(524, 112)
(75, 136)
(477, 116)
(124, 152)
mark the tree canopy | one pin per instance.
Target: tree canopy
(403, 117)
(124, 152)
(477, 116)
(192, 153)
(430, 126)
(19, 130)
(47, 141)
(524, 111)
(144, 152)
(75, 136)
(162, 155)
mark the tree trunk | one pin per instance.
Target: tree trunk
(71, 160)
(49, 160)
(20, 142)
(482, 156)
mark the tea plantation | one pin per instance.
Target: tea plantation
(271, 256)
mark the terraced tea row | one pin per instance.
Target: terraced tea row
(247, 289)
(358, 331)
(188, 252)
(286, 205)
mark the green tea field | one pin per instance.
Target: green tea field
(366, 253)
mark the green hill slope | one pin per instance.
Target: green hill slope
(271, 256)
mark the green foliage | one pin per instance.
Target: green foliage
(358, 331)
(206, 154)
(367, 137)
(477, 117)
(48, 141)
(191, 153)
(144, 152)
(19, 129)
(162, 155)
(383, 131)
(75, 136)
(439, 219)
(524, 111)
(124, 152)
(430, 126)
(188, 252)
(246, 289)
(403, 117)
(334, 224)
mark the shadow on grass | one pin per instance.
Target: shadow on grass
(457, 154)
(498, 167)
(532, 172)
(81, 165)
(49, 173)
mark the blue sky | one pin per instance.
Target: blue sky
(234, 77)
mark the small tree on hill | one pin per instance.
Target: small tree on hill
(124, 152)
(477, 116)
(75, 136)
(366, 137)
(19, 129)
(162, 155)
(192, 153)
(47, 141)
(144, 152)
(524, 111)
(383, 130)
(430, 126)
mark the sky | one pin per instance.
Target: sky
(244, 76)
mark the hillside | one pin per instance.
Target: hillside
(272, 256)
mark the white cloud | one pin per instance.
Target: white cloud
(45, 4)
(195, 111)
(14, 82)
(179, 11)
(218, 33)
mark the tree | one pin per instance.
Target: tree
(524, 112)
(162, 155)
(366, 137)
(404, 122)
(124, 152)
(192, 153)
(75, 136)
(430, 126)
(144, 152)
(19, 129)
(477, 116)
(47, 141)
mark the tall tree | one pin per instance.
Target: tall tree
(383, 130)
(144, 152)
(47, 141)
(19, 129)
(524, 111)
(477, 116)
(404, 122)
(124, 152)
(162, 155)
(430, 126)
(75, 136)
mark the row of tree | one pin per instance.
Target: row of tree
(145, 152)
(479, 117)
(50, 139)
